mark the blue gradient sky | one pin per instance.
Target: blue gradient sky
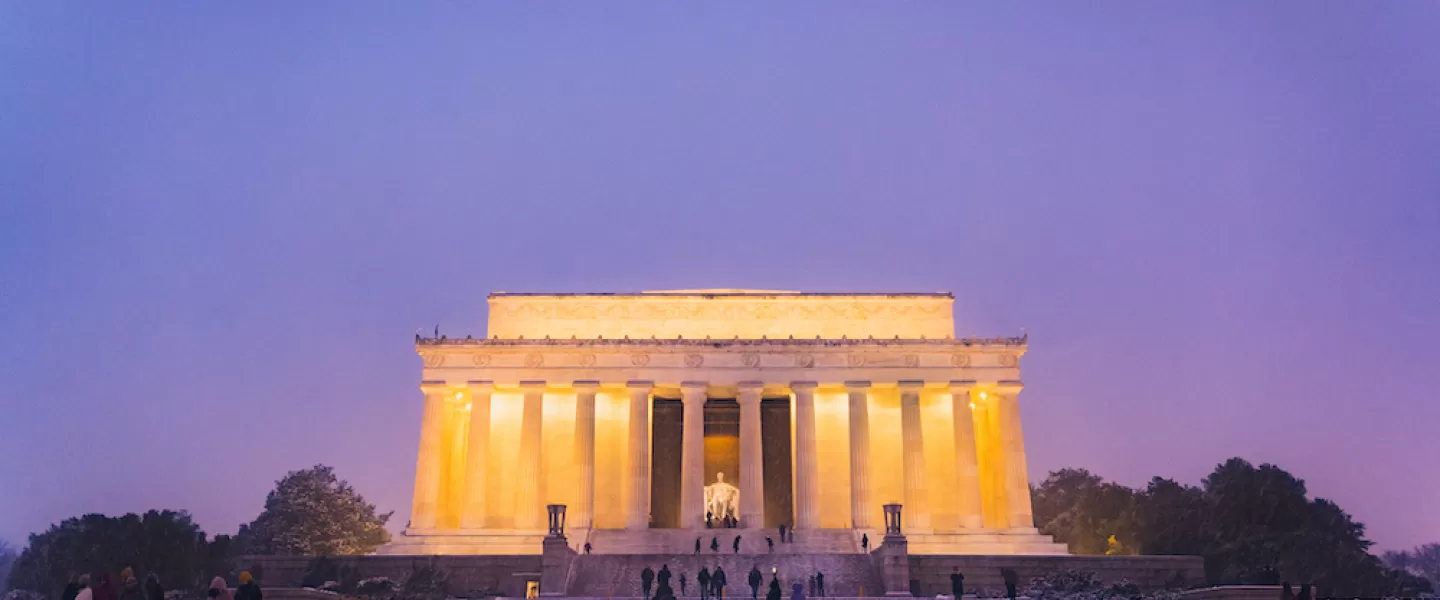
(221, 223)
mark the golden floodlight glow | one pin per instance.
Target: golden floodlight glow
(459, 395)
(982, 395)
(467, 405)
(972, 406)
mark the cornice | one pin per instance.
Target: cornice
(422, 343)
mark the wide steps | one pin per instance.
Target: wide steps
(615, 575)
(752, 541)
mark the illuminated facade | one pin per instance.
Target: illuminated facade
(817, 408)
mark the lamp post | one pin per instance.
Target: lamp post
(557, 519)
(892, 519)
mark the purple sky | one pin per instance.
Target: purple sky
(221, 223)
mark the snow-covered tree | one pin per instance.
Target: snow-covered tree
(314, 513)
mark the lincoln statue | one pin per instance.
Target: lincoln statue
(722, 499)
(642, 412)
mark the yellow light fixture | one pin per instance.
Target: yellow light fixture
(467, 406)
(972, 406)
(982, 395)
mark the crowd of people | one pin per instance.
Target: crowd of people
(103, 588)
(711, 584)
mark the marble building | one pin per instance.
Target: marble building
(631, 409)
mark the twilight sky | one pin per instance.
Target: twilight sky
(222, 223)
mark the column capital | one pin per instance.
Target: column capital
(803, 386)
(857, 386)
(480, 386)
(1009, 387)
(750, 391)
(962, 386)
(911, 385)
(586, 386)
(691, 386)
(434, 387)
(637, 385)
(532, 386)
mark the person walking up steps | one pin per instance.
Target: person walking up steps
(774, 592)
(782, 533)
(662, 579)
(717, 581)
(646, 577)
(820, 584)
(682, 583)
(697, 545)
(715, 544)
(704, 580)
(957, 583)
(865, 542)
(736, 545)
(755, 580)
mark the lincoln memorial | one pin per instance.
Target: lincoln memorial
(645, 414)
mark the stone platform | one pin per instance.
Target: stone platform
(505, 542)
(617, 575)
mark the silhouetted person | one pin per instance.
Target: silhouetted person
(682, 583)
(587, 547)
(820, 584)
(717, 583)
(1287, 592)
(105, 590)
(704, 580)
(864, 542)
(153, 589)
(812, 586)
(1012, 580)
(646, 577)
(663, 591)
(1304, 592)
(957, 583)
(774, 592)
(708, 515)
(755, 580)
(697, 545)
(72, 589)
(85, 592)
(782, 533)
(248, 589)
(714, 544)
(736, 545)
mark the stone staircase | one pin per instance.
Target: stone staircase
(618, 575)
(752, 541)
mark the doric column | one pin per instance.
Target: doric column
(1017, 482)
(917, 501)
(692, 455)
(967, 463)
(861, 507)
(584, 510)
(637, 514)
(425, 509)
(529, 512)
(752, 474)
(477, 455)
(807, 488)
